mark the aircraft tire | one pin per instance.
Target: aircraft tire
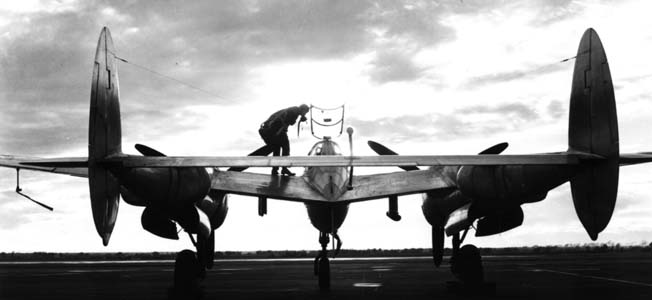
(324, 273)
(467, 265)
(186, 271)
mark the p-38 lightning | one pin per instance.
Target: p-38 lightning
(458, 190)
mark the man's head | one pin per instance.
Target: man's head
(304, 109)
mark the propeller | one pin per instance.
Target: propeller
(382, 150)
(437, 231)
(262, 151)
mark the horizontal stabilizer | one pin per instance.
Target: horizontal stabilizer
(63, 162)
(564, 158)
(16, 162)
(627, 159)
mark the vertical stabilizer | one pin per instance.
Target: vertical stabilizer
(593, 128)
(104, 136)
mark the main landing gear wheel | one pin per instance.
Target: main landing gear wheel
(187, 271)
(466, 265)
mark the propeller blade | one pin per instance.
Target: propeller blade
(382, 150)
(147, 151)
(262, 151)
(437, 244)
(495, 149)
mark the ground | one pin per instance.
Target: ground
(576, 276)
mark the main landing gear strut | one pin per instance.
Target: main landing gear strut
(190, 267)
(322, 265)
(466, 265)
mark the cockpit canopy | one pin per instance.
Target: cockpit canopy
(325, 147)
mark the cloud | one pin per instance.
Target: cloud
(500, 77)
(550, 12)
(393, 66)
(47, 62)
(515, 110)
(471, 121)
(556, 109)
(412, 23)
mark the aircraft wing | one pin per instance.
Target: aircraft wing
(377, 186)
(365, 187)
(17, 162)
(263, 185)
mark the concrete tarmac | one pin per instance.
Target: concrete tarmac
(577, 276)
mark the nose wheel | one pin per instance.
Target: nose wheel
(323, 272)
(322, 264)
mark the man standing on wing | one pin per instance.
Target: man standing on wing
(274, 132)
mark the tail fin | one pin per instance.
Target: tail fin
(593, 128)
(104, 136)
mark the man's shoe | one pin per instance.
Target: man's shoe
(286, 171)
(275, 171)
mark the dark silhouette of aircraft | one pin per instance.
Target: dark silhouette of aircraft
(458, 190)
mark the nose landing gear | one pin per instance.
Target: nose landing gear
(322, 264)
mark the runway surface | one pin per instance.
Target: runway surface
(586, 276)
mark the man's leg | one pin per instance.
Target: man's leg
(285, 146)
(276, 151)
(284, 143)
(271, 146)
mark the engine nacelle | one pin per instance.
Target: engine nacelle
(500, 221)
(437, 205)
(165, 188)
(130, 198)
(511, 185)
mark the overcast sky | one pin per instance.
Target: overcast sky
(422, 77)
